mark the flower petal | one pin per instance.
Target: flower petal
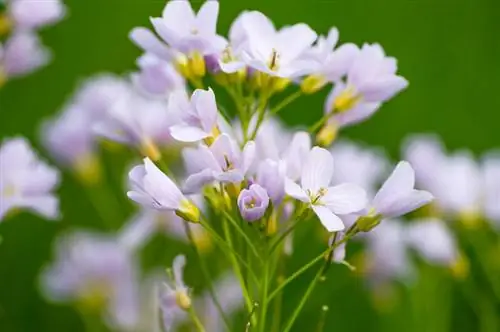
(399, 184)
(328, 219)
(318, 170)
(345, 198)
(184, 133)
(294, 190)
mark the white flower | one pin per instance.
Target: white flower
(325, 201)
(397, 195)
(199, 117)
(491, 180)
(223, 161)
(26, 181)
(28, 14)
(174, 297)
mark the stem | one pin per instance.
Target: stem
(195, 319)
(318, 124)
(265, 300)
(243, 234)
(99, 200)
(285, 102)
(284, 235)
(206, 275)
(261, 111)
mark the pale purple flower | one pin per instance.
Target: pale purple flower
(94, 270)
(174, 297)
(187, 32)
(229, 60)
(433, 241)
(223, 161)
(358, 165)
(29, 14)
(371, 80)
(253, 202)
(149, 43)
(199, 117)
(332, 63)
(157, 77)
(276, 52)
(26, 182)
(69, 137)
(22, 54)
(325, 201)
(271, 176)
(151, 188)
(491, 180)
(397, 195)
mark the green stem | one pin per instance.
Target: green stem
(261, 111)
(283, 236)
(318, 124)
(206, 275)
(285, 102)
(265, 300)
(195, 319)
(243, 234)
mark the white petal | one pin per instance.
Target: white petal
(318, 170)
(196, 181)
(248, 156)
(146, 40)
(184, 133)
(399, 184)
(328, 219)
(161, 187)
(345, 198)
(178, 269)
(294, 40)
(294, 190)
(399, 206)
(207, 16)
(47, 206)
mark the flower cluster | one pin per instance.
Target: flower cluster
(21, 51)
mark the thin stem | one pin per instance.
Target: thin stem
(283, 236)
(206, 275)
(261, 111)
(243, 234)
(318, 124)
(265, 300)
(195, 319)
(285, 102)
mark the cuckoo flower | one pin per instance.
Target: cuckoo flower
(153, 189)
(96, 272)
(271, 176)
(324, 200)
(174, 295)
(396, 197)
(223, 161)
(187, 32)
(253, 202)
(22, 54)
(491, 180)
(157, 77)
(371, 80)
(277, 53)
(199, 118)
(26, 181)
(28, 14)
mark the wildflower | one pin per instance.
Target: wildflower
(324, 200)
(199, 121)
(157, 77)
(395, 198)
(22, 54)
(271, 176)
(152, 188)
(148, 42)
(223, 161)
(27, 14)
(273, 52)
(97, 273)
(371, 80)
(174, 296)
(253, 202)
(491, 180)
(26, 181)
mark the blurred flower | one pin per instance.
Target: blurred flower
(29, 14)
(223, 161)
(325, 201)
(271, 176)
(97, 273)
(199, 118)
(22, 54)
(153, 189)
(157, 77)
(491, 180)
(26, 181)
(253, 202)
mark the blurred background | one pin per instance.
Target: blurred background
(449, 50)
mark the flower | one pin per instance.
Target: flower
(187, 32)
(22, 54)
(26, 181)
(325, 201)
(174, 297)
(371, 80)
(491, 180)
(28, 14)
(395, 198)
(223, 161)
(253, 202)
(153, 189)
(199, 118)
(157, 77)
(271, 176)
(277, 53)
(96, 272)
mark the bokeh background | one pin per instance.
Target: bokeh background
(449, 50)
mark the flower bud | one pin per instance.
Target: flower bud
(5, 24)
(183, 300)
(253, 202)
(188, 211)
(312, 84)
(369, 222)
(327, 134)
(88, 169)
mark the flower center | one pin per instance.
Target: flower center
(229, 165)
(194, 31)
(315, 197)
(251, 203)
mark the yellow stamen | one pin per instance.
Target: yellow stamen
(183, 300)
(197, 64)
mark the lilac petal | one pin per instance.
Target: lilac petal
(345, 198)
(318, 170)
(294, 40)
(207, 16)
(185, 133)
(248, 156)
(231, 176)
(405, 204)
(328, 219)
(294, 190)
(178, 269)
(47, 206)
(197, 160)
(231, 67)
(399, 184)
(206, 107)
(382, 90)
(196, 181)
(161, 187)
(146, 40)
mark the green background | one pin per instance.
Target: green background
(449, 50)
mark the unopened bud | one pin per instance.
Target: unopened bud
(312, 84)
(233, 189)
(188, 211)
(327, 134)
(280, 84)
(183, 300)
(5, 24)
(369, 222)
(88, 169)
